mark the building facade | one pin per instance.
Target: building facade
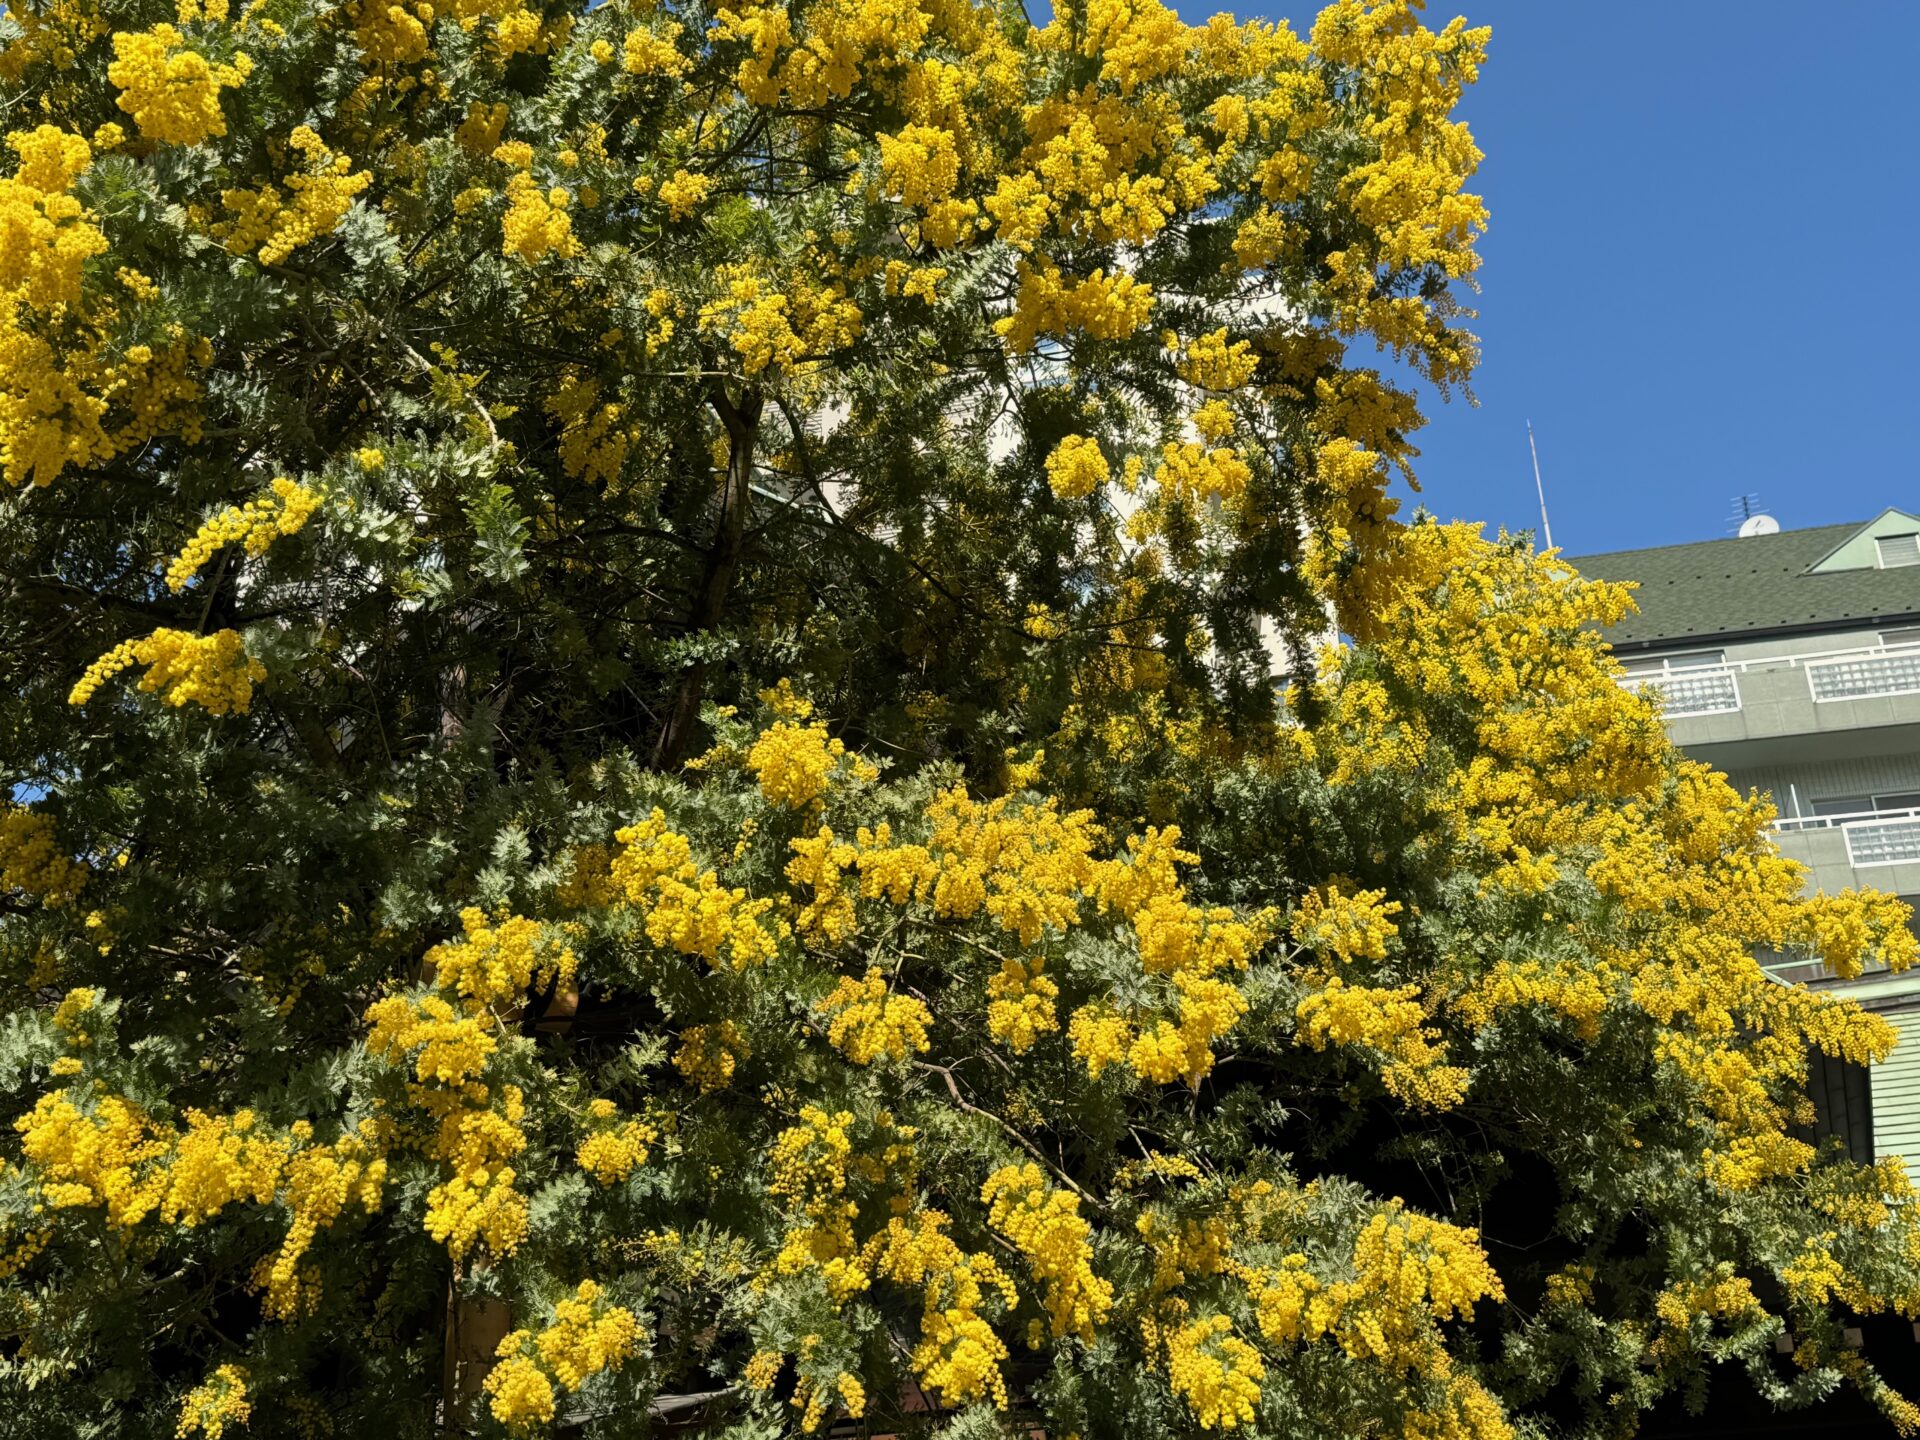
(1791, 661)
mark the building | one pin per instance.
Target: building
(1791, 661)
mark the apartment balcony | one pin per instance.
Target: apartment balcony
(1880, 848)
(1821, 706)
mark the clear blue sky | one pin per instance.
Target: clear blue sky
(1699, 278)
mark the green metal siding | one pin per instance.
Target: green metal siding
(1896, 1095)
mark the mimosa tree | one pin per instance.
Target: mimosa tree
(676, 760)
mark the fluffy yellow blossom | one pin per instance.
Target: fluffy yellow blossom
(650, 52)
(920, 165)
(1020, 1004)
(685, 907)
(1215, 1372)
(820, 862)
(32, 862)
(1346, 925)
(498, 960)
(534, 226)
(1214, 363)
(270, 225)
(211, 671)
(171, 91)
(477, 1201)
(793, 762)
(1392, 1022)
(1045, 1226)
(708, 1054)
(213, 1405)
(683, 192)
(283, 509)
(446, 1046)
(867, 1023)
(1106, 307)
(586, 1337)
(1076, 468)
(1194, 473)
(613, 1151)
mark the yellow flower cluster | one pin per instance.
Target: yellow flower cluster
(1020, 1004)
(114, 1158)
(794, 762)
(769, 327)
(686, 907)
(475, 1143)
(496, 963)
(1216, 1372)
(1106, 307)
(31, 860)
(211, 671)
(283, 510)
(1198, 475)
(46, 234)
(271, 226)
(317, 1186)
(594, 441)
(653, 52)
(447, 1047)
(1212, 362)
(71, 395)
(866, 1023)
(708, 1054)
(476, 1134)
(1076, 468)
(1409, 1272)
(1045, 1226)
(1407, 80)
(172, 92)
(1343, 925)
(109, 1158)
(820, 862)
(1572, 778)
(684, 192)
(220, 1401)
(1393, 1022)
(1190, 945)
(614, 1148)
(536, 223)
(586, 1337)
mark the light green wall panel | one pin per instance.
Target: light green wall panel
(1896, 1095)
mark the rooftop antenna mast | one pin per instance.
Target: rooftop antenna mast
(1750, 518)
(1538, 488)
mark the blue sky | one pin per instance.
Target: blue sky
(1698, 280)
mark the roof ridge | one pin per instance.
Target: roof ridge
(1770, 541)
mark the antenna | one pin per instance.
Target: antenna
(1749, 518)
(1538, 488)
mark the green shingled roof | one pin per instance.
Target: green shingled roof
(1725, 588)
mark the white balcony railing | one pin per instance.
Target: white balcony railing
(1701, 690)
(1874, 837)
(1862, 674)
(1865, 673)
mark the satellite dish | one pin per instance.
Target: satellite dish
(1759, 525)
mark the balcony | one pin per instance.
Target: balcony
(1825, 705)
(1862, 673)
(1708, 690)
(1871, 837)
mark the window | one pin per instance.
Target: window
(1896, 550)
(1868, 804)
(1844, 805)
